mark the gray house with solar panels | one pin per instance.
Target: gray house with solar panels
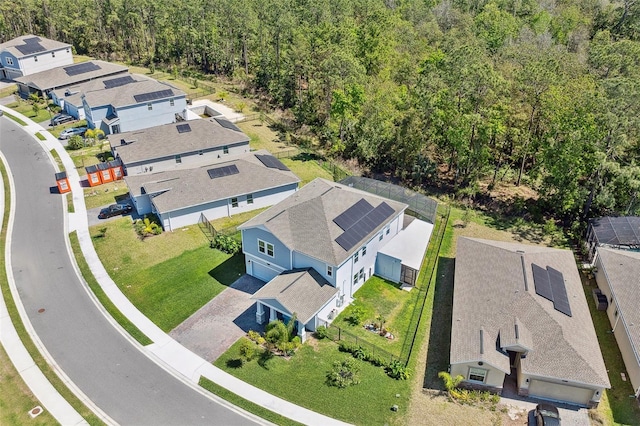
(31, 54)
(317, 247)
(232, 185)
(178, 145)
(520, 321)
(132, 102)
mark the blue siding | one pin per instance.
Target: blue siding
(388, 267)
(250, 246)
(302, 261)
(136, 117)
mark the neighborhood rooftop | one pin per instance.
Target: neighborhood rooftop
(495, 292)
(306, 221)
(617, 231)
(140, 91)
(30, 44)
(63, 76)
(173, 139)
(178, 189)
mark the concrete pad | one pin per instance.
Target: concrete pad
(223, 109)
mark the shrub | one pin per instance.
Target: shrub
(344, 373)
(360, 353)
(248, 350)
(226, 244)
(256, 337)
(397, 370)
(322, 332)
(355, 316)
(147, 226)
(347, 347)
(75, 142)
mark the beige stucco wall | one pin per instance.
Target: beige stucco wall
(494, 378)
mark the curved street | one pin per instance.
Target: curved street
(124, 383)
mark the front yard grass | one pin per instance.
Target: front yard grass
(169, 276)
(301, 379)
(108, 193)
(306, 169)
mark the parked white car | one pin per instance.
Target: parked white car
(72, 131)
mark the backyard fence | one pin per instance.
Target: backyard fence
(338, 334)
(207, 228)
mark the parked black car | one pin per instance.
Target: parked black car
(115, 210)
(545, 415)
(61, 118)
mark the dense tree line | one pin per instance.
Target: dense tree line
(538, 92)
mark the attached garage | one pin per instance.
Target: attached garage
(263, 272)
(559, 392)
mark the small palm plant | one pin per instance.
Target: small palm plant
(92, 135)
(451, 383)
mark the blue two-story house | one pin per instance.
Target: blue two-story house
(131, 103)
(317, 247)
(30, 54)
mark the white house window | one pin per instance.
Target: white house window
(361, 275)
(67, 50)
(225, 149)
(53, 54)
(149, 106)
(266, 248)
(329, 270)
(387, 231)
(178, 159)
(355, 257)
(249, 198)
(477, 374)
(355, 279)
(35, 58)
(172, 102)
(234, 202)
(9, 61)
(364, 250)
(381, 237)
(200, 152)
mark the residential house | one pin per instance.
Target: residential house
(520, 321)
(30, 54)
(617, 273)
(614, 232)
(132, 104)
(178, 145)
(318, 246)
(234, 185)
(63, 81)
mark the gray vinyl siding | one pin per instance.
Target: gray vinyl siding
(250, 246)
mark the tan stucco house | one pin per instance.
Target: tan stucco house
(520, 319)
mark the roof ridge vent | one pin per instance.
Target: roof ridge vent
(481, 341)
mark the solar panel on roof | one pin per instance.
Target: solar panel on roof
(227, 124)
(117, 82)
(31, 45)
(223, 171)
(559, 291)
(541, 282)
(183, 128)
(81, 68)
(346, 219)
(360, 229)
(152, 96)
(271, 162)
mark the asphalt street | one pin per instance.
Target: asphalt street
(115, 375)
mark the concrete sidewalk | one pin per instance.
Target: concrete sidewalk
(165, 351)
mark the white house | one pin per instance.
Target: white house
(30, 54)
(520, 320)
(178, 145)
(230, 186)
(318, 246)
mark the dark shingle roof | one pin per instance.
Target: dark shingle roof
(58, 77)
(13, 46)
(490, 292)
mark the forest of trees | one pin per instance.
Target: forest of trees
(542, 93)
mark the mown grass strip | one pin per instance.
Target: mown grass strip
(16, 119)
(70, 207)
(56, 157)
(40, 136)
(42, 364)
(102, 296)
(245, 404)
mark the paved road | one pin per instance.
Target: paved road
(117, 377)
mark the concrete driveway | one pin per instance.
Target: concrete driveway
(217, 325)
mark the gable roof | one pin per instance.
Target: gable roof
(494, 289)
(58, 77)
(300, 291)
(304, 222)
(166, 140)
(179, 189)
(16, 46)
(622, 269)
(123, 96)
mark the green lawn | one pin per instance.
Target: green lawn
(306, 169)
(302, 381)
(104, 194)
(379, 297)
(88, 155)
(169, 276)
(26, 109)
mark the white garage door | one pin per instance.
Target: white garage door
(263, 272)
(559, 392)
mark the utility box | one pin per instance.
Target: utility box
(63, 182)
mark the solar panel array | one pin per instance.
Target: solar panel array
(183, 128)
(152, 96)
(117, 82)
(360, 229)
(227, 124)
(223, 171)
(81, 68)
(31, 45)
(272, 162)
(346, 219)
(549, 284)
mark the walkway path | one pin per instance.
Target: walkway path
(167, 352)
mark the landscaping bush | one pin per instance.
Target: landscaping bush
(256, 337)
(226, 244)
(344, 373)
(322, 332)
(147, 226)
(248, 350)
(75, 142)
(356, 315)
(397, 370)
